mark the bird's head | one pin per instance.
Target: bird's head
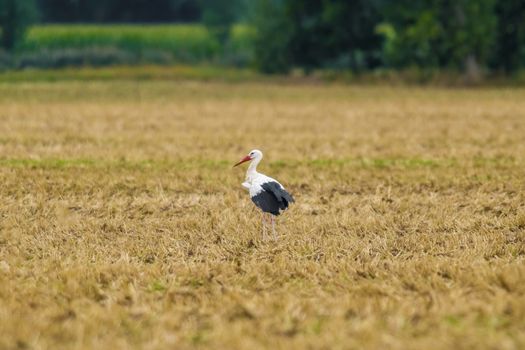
(255, 154)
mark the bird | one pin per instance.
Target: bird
(266, 193)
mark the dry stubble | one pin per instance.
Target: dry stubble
(123, 224)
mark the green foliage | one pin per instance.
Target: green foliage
(239, 50)
(411, 36)
(509, 53)
(218, 16)
(332, 34)
(438, 33)
(184, 42)
(462, 35)
(15, 17)
(95, 57)
(274, 36)
(423, 36)
(54, 46)
(470, 31)
(119, 11)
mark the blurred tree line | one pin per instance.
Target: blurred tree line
(464, 35)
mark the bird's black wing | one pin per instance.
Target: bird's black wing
(273, 198)
(278, 191)
(267, 202)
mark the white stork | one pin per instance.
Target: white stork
(267, 193)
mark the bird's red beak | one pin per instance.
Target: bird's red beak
(245, 159)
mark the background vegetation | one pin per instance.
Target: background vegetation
(58, 45)
(471, 37)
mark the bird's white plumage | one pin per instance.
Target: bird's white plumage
(257, 181)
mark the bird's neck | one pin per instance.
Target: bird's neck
(252, 169)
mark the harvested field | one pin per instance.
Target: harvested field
(123, 224)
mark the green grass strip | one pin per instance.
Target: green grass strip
(379, 163)
(133, 73)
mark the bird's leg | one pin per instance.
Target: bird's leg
(273, 228)
(263, 216)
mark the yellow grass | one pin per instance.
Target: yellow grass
(124, 226)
